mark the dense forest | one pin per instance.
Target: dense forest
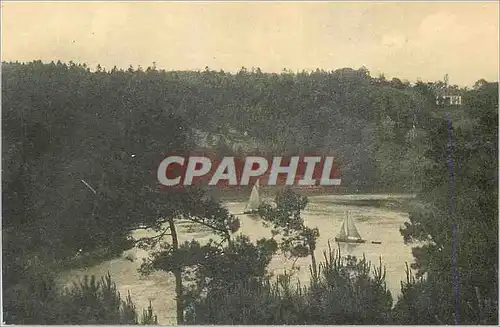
(79, 152)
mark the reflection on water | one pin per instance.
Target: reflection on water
(374, 224)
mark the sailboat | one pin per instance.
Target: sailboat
(253, 204)
(348, 232)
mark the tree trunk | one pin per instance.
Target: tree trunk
(178, 275)
(313, 259)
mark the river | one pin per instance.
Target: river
(325, 212)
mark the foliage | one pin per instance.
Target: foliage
(457, 214)
(94, 302)
(69, 126)
(111, 128)
(80, 150)
(296, 239)
(88, 301)
(211, 266)
(346, 292)
(191, 205)
(239, 261)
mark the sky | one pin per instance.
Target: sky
(409, 40)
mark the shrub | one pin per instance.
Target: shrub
(36, 300)
(346, 291)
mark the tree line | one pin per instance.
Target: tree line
(80, 148)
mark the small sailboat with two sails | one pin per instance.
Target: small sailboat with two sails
(252, 207)
(348, 232)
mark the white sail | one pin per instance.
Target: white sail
(348, 230)
(343, 232)
(352, 231)
(254, 201)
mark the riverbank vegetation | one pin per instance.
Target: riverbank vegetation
(79, 153)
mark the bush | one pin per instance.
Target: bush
(98, 302)
(345, 292)
(36, 300)
(427, 301)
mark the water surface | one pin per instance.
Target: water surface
(325, 212)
